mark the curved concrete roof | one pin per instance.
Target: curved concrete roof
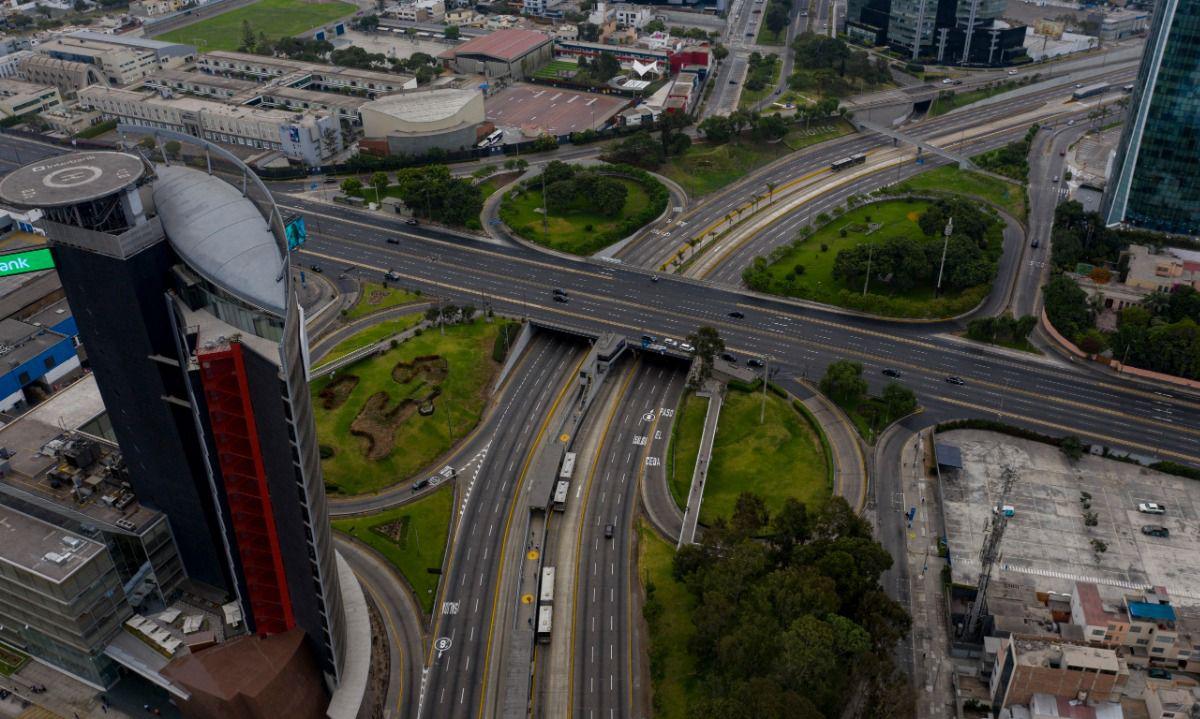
(429, 106)
(221, 235)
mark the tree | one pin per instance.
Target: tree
(369, 22)
(716, 128)
(544, 143)
(655, 25)
(248, 38)
(638, 149)
(451, 32)
(843, 383)
(351, 186)
(720, 52)
(609, 196)
(1072, 447)
(776, 18)
(1066, 306)
(898, 400)
(589, 32)
(708, 344)
(172, 148)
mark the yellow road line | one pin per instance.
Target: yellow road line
(587, 492)
(533, 448)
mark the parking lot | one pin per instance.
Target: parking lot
(532, 110)
(1046, 543)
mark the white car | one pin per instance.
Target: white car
(1151, 508)
(686, 347)
(947, 81)
(1012, 72)
(670, 342)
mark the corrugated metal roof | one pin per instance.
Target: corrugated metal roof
(220, 234)
(505, 45)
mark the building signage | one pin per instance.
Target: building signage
(28, 261)
(296, 232)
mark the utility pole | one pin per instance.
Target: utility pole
(762, 413)
(545, 208)
(945, 244)
(867, 279)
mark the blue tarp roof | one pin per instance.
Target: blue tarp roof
(1146, 610)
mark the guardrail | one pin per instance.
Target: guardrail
(351, 357)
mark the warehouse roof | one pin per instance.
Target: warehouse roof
(507, 45)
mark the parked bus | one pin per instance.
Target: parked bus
(845, 162)
(561, 489)
(494, 137)
(546, 594)
(1090, 90)
(568, 466)
(544, 624)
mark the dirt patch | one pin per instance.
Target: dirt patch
(376, 297)
(913, 216)
(336, 392)
(432, 369)
(395, 531)
(377, 422)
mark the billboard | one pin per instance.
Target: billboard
(296, 232)
(19, 263)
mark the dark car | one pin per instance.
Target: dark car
(1062, 153)
(412, 221)
(955, 380)
(728, 357)
(754, 362)
(608, 531)
(889, 372)
(1155, 530)
(560, 292)
(420, 484)
(316, 268)
(330, 180)
(737, 315)
(393, 241)
(733, 82)
(1156, 673)
(648, 339)
(1035, 244)
(562, 298)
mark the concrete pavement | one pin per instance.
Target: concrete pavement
(715, 391)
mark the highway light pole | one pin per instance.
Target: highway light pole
(545, 207)
(867, 279)
(762, 413)
(945, 244)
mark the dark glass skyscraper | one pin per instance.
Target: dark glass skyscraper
(1155, 182)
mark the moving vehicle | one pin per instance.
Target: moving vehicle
(737, 315)
(546, 592)
(1054, 179)
(608, 531)
(648, 339)
(686, 347)
(845, 162)
(545, 623)
(492, 138)
(1091, 90)
(728, 357)
(670, 342)
(412, 221)
(1012, 72)
(889, 372)
(331, 180)
(1127, 88)
(1062, 153)
(568, 466)
(560, 291)
(562, 489)
(754, 362)
(1156, 530)
(420, 484)
(391, 275)
(392, 241)
(947, 81)
(1034, 244)
(562, 298)
(955, 380)
(1151, 508)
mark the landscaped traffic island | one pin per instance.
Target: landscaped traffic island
(589, 207)
(886, 257)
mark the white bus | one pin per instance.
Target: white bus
(568, 466)
(544, 624)
(561, 489)
(546, 593)
(494, 137)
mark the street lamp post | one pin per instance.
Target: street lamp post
(945, 244)
(867, 279)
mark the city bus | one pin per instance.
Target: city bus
(1090, 90)
(561, 489)
(546, 593)
(845, 162)
(568, 466)
(545, 623)
(492, 138)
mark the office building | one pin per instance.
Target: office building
(1154, 183)
(60, 596)
(937, 30)
(25, 98)
(180, 283)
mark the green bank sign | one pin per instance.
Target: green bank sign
(30, 261)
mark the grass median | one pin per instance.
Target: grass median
(375, 296)
(685, 445)
(369, 420)
(668, 613)
(950, 180)
(273, 18)
(372, 334)
(575, 228)
(779, 458)
(412, 537)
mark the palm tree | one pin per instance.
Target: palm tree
(754, 201)
(729, 217)
(771, 190)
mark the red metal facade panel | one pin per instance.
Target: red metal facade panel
(226, 391)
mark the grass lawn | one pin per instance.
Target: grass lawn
(553, 70)
(672, 628)
(766, 37)
(750, 97)
(778, 459)
(568, 231)
(373, 334)
(412, 537)
(495, 182)
(706, 168)
(417, 441)
(374, 297)
(11, 660)
(1005, 194)
(942, 104)
(685, 445)
(276, 18)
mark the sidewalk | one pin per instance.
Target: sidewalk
(691, 514)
